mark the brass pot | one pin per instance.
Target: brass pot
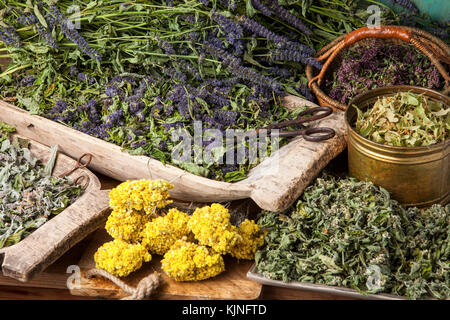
(415, 176)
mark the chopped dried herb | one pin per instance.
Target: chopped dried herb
(405, 120)
(343, 232)
(29, 195)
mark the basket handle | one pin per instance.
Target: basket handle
(382, 32)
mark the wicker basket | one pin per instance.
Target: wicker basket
(435, 49)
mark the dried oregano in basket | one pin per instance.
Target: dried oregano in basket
(29, 194)
(347, 233)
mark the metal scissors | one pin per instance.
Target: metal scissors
(309, 134)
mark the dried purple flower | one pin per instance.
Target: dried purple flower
(27, 19)
(293, 55)
(10, 36)
(135, 105)
(283, 73)
(166, 46)
(304, 91)
(190, 68)
(113, 91)
(226, 118)
(72, 34)
(28, 81)
(73, 71)
(234, 66)
(114, 118)
(51, 21)
(175, 125)
(434, 79)
(139, 144)
(232, 30)
(30, 19)
(59, 107)
(281, 41)
(261, 7)
(288, 17)
(85, 77)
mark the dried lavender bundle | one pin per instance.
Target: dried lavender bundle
(405, 120)
(347, 233)
(29, 195)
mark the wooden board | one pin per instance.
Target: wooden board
(274, 184)
(231, 284)
(42, 247)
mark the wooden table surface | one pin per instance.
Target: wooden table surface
(52, 283)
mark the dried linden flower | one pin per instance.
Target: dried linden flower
(211, 227)
(121, 258)
(249, 240)
(140, 195)
(187, 261)
(161, 233)
(126, 225)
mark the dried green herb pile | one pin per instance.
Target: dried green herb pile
(347, 233)
(405, 120)
(29, 195)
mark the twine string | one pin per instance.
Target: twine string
(145, 288)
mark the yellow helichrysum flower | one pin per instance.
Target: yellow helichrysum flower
(187, 261)
(126, 225)
(121, 258)
(249, 240)
(211, 227)
(140, 195)
(161, 233)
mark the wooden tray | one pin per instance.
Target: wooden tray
(231, 284)
(338, 291)
(274, 184)
(42, 247)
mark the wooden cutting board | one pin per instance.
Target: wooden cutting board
(231, 284)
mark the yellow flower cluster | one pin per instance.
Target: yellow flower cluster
(126, 225)
(161, 233)
(187, 261)
(192, 246)
(211, 227)
(140, 195)
(120, 258)
(249, 240)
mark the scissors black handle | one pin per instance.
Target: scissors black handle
(313, 111)
(309, 134)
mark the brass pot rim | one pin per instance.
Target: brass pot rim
(383, 91)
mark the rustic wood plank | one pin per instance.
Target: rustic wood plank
(273, 184)
(231, 284)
